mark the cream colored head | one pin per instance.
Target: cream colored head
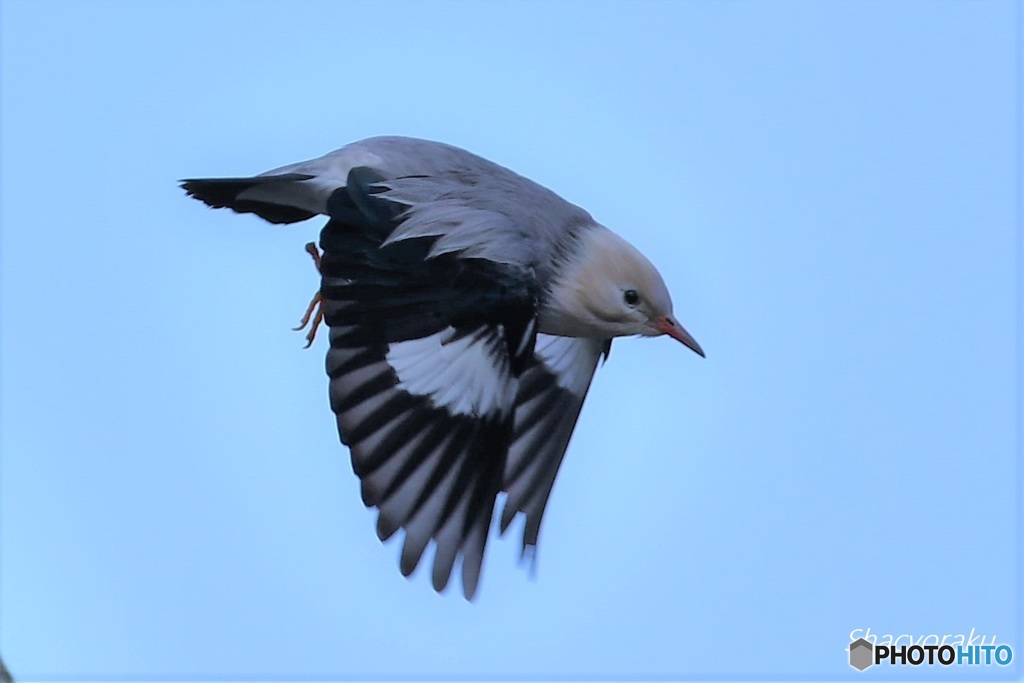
(607, 288)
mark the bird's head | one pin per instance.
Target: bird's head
(607, 288)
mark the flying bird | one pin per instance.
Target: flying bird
(468, 308)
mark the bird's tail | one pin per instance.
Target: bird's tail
(266, 196)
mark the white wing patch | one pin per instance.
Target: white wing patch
(468, 375)
(562, 357)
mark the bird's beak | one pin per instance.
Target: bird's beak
(667, 325)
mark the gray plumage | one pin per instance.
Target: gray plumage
(468, 308)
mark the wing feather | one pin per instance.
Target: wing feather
(426, 349)
(433, 263)
(552, 389)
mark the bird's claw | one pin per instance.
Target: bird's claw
(315, 305)
(315, 310)
(315, 253)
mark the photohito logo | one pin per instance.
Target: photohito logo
(961, 650)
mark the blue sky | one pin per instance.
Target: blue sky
(828, 189)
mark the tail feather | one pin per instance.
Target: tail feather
(222, 193)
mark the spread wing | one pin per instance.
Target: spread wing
(433, 261)
(548, 403)
(426, 350)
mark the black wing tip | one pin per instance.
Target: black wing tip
(223, 193)
(217, 193)
(408, 566)
(191, 186)
(508, 513)
(386, 528)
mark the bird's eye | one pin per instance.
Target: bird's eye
(631, 297)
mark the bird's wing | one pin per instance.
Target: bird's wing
(433, 262)
(548, 403)
(426, 349)
(446, 192)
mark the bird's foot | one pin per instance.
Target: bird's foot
(314, 314)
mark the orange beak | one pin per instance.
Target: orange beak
(667, 325)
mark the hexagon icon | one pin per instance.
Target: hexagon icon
(862, 654)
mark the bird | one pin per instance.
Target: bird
(468, 308)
